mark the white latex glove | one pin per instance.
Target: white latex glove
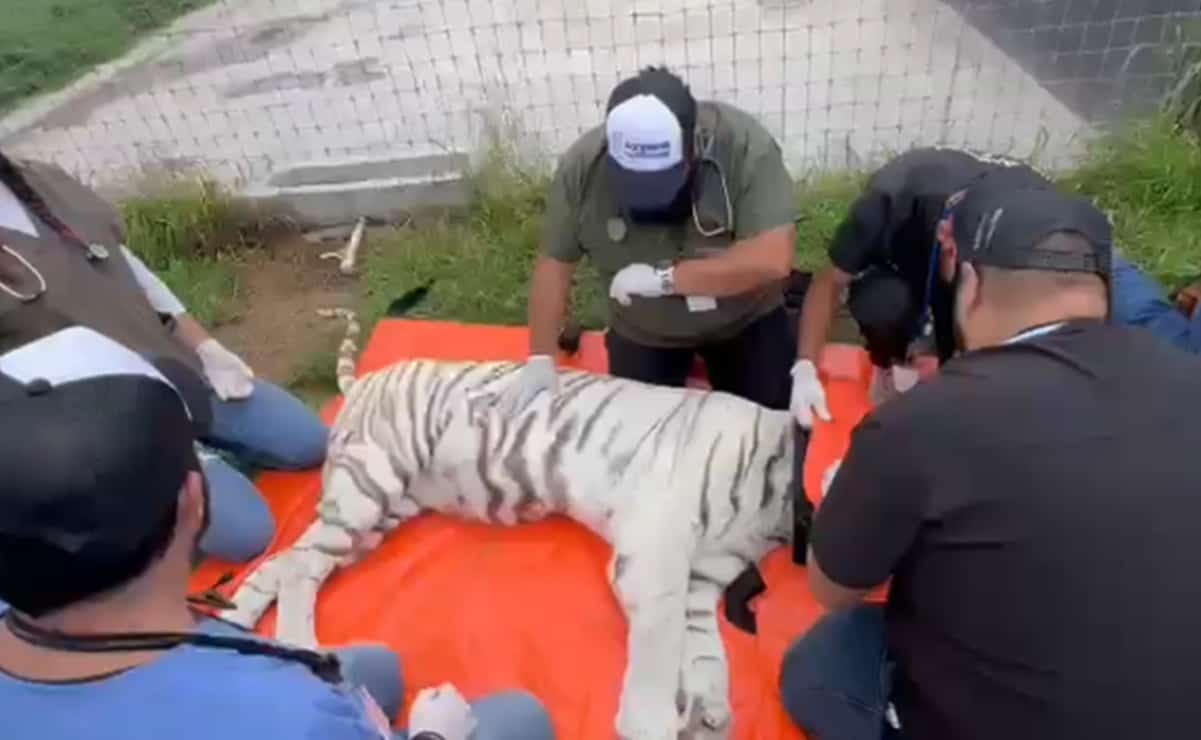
(828, 476)
(808, 396)
(904, 377)
(231, 378)
(539, 374)
(444, 711)
(636, 279)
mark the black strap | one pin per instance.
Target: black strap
(324, 665)
(802, 507)
(739, 594)
(750, 584)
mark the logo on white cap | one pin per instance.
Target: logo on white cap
(644, 135)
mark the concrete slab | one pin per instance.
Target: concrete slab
(246, 88)
(388, 189)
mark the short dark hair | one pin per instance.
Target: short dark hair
(38, 578)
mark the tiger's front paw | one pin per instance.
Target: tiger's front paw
(637, 720)
(706, 703)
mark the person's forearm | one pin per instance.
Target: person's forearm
(817, 314)
(744, 267)
(550, 291)
(189, 331)
(827, 593)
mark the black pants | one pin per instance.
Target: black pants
(754, 364)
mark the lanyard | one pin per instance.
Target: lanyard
(925, 318)
(1037, 331)
(324, 665)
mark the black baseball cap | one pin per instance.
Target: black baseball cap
(95, 446)
(1001, 221)
(649, 124)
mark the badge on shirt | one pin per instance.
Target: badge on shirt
(616, 228)
(699, 303)
(375, 715)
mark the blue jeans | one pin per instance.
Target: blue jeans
(376, 668)
(836, 680)
(510, 715)
(270, 429)
(1139, 301)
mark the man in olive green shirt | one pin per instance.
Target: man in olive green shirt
(688, 213)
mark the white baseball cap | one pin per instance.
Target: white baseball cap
(650, 118)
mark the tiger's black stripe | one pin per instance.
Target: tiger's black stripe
(483, 466)
(769, 490)
(705, 485)
(735, 485)
(410, 379)
(516, 464)
(556, 482)
(614, 434)
(594, 415)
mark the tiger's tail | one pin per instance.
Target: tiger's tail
(344, 369)
(347, 361)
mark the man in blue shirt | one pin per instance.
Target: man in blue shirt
(101, 509)
(1140, 301)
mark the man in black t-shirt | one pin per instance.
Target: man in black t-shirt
(1035, 505)
(885, 253)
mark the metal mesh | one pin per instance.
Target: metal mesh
(239, 88)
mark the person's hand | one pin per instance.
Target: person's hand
(637, 279)
(230, 378)
(443, 711)
(808, 396)
(539, 374)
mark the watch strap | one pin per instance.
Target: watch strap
(667, 278)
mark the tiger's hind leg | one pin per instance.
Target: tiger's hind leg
(309, 563)
(256, 594)
(363, 497)
(704, 670)
(649, 573)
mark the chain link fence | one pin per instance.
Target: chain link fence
(240, 88)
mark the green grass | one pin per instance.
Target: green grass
(45, 44)
(314, 378)
(1147, 176)
(190, 233)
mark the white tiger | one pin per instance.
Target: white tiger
(688, 486)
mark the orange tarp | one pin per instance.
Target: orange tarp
(492, 608)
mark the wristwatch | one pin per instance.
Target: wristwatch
(667, 278)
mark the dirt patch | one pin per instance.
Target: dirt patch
(280, 288)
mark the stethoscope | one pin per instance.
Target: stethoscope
(96, 252)
(704, 145)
